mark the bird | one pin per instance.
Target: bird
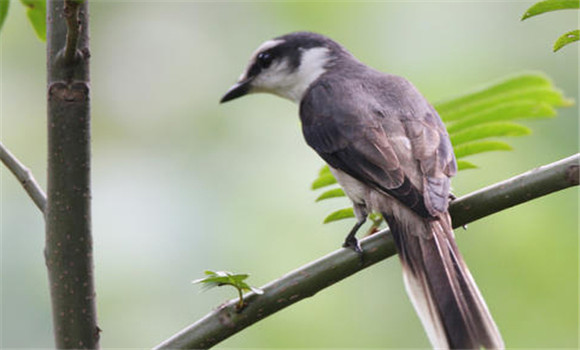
(390, 152)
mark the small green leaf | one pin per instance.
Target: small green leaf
(504, 112)
(213, 279)
(238, 278)
(341, 214)
(550, 5)
(323, 181)
(4, 5)
(566, 39)
(221, 277)
(511, 84)
(547, 94)
(336, 192)
(224, 278)
(247, 288)
(36, 12)
(483, 131)
(464, 165)
(325, 170)
(475, 147)
(373, 216)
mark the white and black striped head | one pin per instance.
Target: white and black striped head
(286, 66)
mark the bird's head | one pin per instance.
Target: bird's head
(286, 66)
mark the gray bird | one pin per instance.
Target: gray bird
(390, 152)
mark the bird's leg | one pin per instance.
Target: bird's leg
(350, 241)
(361, 213)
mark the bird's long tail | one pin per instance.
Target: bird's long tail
(441, 288)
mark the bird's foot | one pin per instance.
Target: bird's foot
(354, 244)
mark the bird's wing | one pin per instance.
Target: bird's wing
(401, 154)
(432, 151)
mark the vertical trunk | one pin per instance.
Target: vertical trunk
(69, 256)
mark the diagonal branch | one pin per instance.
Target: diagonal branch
(24, 176)
(307, 280)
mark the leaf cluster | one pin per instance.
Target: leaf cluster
(477, 122)
(223, 278)
(553, 5)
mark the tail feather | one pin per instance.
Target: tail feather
(441, 288)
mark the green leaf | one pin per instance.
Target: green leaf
(373, 216)
(550, 5)
(323, 181)
(246, 288)
(509, 85)
(36, 12)
(504, 112)
(475, 147)
(341, 214)
(213, 278)
(325, 178)
(325, 170)
(221, 277)
(464, 165)
(224, 278)
(539, 94)
(566, 39)
(238, 278)
(336, 192)
(483, 131)
(4, 5)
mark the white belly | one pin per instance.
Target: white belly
(354, 189)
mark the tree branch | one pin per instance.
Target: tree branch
(69, 248)
(24, 176)
(519, 189)
(309, 279)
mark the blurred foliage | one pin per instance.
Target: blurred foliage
(223, 278)
(4, 4)
(36, 12)
(475, 118)
(553, 5)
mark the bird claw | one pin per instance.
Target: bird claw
(354, 244)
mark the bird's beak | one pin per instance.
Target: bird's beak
(239, 89)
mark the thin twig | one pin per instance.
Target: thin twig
(71, 13)
(307, 280)
(24, 176)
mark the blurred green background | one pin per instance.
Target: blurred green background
(182, 184)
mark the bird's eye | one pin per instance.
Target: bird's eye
(265, 59)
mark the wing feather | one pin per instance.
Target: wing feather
(402, 152)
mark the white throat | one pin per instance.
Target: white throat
(312, 66)
(292, 85)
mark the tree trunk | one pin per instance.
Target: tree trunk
(69, 255)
